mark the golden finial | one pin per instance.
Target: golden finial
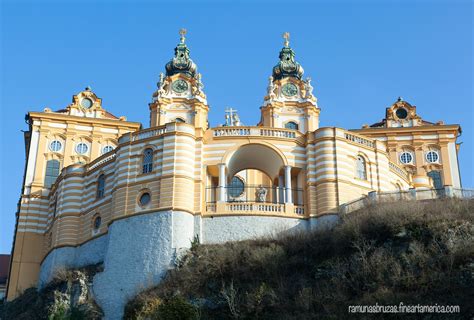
(286, 36)
(182, 33)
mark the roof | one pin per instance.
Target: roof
(108, 115)
(4, 267)
(383, 122)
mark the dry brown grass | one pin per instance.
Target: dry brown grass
(410, 252)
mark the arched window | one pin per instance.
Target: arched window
(52, 172)
(181, 120)
(97, 223)
(101, 186)
(361, 169)
(291, 125)
(437, 181)
(147, 160)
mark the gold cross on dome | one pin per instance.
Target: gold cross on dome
(286, 36)
(182, 33)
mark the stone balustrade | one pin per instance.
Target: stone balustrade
(359, 140)
(100, 161)
(255, 131)
(399, 171)
(148, 133)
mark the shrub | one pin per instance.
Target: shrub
(176, 308)
(144, 306)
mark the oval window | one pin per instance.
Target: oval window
(406, 158)
(236, 187)
(55, 146)
(107, 149)
(432, 156)
(145, 199)
(401, 113)
(82, 148)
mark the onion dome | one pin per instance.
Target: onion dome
(181, 63)
(287, 67)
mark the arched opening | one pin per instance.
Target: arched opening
(361, 170)
(255, 156)
(254, 173)
(291, 125)
(147, 161)
(252, 185)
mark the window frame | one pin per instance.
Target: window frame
(55, 142)
(96, 227)
(297, 126)
(433, 152)
(232, 187)
(50, 179)
(82, 144)
(107, 146)
(147, 160)
(141, 195)
(100, 186)
(406, 153)
(361, 163)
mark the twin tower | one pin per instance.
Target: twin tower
(289, 102)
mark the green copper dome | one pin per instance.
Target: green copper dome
(181, 63)
(287, 67)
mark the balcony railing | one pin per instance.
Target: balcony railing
(258, 194)
(255, 131)
(148, 133)
(359, 140)
(399, 170)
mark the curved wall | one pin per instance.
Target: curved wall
(138, 250)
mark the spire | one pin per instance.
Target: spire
(181, 63)
(287, 67)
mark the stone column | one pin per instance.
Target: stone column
(222, 182)
(281, 193)
(289, 198)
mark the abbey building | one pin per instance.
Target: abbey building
(101, 189)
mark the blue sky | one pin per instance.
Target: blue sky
(360, 55)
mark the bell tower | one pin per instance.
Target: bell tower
(179, 97)
(289, 102)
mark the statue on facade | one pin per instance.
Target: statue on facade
(309, 88)
(261, 194)
(235, 120)
(271, 88)
(199, 85)
(161, 87)
(231, 118)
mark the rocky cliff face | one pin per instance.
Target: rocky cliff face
(68, 296)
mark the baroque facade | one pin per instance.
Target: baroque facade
(100, 189)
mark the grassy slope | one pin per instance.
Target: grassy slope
(410, 252)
